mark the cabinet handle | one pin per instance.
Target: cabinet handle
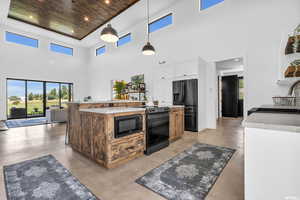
(130, 148)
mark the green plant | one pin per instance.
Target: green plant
(119, 87)
(295, 63)
(297, 30)
(30, 96)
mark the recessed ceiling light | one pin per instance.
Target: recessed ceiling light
(237, 60)
(86, 19)
(107, 1)
(30, 16)
(72, 31)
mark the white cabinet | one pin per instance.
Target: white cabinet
(186, 69)
(272, 164)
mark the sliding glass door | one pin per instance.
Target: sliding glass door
(35, 98)
(53, 94)
(30, 98)
(66, 94)
(16, 101)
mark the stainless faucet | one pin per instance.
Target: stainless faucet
(291, 90)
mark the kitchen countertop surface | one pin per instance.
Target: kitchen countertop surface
(112, 110)
(105, 101)
(280, 107)
(273, 121)
(172, 106)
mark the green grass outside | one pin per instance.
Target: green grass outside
(35, 105)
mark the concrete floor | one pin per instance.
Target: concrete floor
(21, 144)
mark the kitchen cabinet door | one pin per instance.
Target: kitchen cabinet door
(86, 134)
(172, 128)
(99, 139)
(176, 124)
(180, 123)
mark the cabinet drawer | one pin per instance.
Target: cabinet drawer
(123, 150)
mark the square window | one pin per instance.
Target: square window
(204, 4)
(160, 23)
(100, 51)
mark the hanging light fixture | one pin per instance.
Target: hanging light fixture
(109, 34)
(148, 49)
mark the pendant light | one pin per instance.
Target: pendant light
(109, 34)
(148, 49)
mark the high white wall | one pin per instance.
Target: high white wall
(17, 61)
(252, 29)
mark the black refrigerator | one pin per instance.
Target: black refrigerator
(185, 92)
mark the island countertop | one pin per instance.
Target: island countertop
(112, 110)
(105, 101)
(273, 121)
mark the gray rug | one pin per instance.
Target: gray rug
(43, 178)
(189, 175)
(3, 126)
(16, 123)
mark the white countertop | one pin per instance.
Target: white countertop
(273, 121)
(280, 107)
(172, 106)
(112, 110)
(105, 101)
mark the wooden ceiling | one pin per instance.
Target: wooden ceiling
(73, 18)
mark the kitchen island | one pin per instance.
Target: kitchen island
(99, 142)
(74, 118)
(92, 130)
(272, 152)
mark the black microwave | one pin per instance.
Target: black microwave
(127, 125)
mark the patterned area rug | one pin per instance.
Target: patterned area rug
(43, 178)
(189, 175)
(3, 126)
(15, 123)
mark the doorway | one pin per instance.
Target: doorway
(230, 81)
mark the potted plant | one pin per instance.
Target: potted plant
(119, 87)
(293, 44)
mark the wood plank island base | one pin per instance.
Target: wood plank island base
(98, 141)
(92, 130)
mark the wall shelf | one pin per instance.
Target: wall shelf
(288, 81)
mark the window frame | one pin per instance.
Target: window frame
(128, 34)
(104, 46)
(156, 20)
(52, 43)
(10, 42)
